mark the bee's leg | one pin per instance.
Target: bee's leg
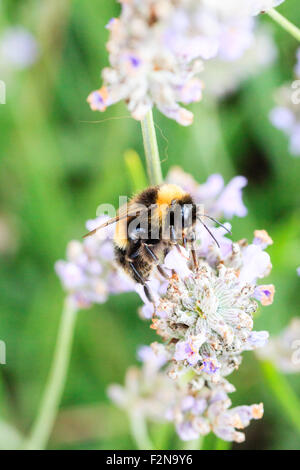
(174, 239)
(194, 256)
(142, 281)
(139, 277)
(162, 272)
(149, 295)
(151, 253)
(156, 260)
(173, 235)
(193, 250)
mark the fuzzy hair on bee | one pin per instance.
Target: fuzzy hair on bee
(149, 226)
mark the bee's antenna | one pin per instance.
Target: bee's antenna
(217, 222)
(209, 231)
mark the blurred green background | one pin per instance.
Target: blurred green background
(56, 167)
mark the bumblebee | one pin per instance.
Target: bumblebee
(154, 221)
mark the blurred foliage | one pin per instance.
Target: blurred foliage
(57, 166)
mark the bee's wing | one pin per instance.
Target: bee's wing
(132, 209)
(109, 222)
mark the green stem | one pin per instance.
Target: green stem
(284, 23)
(139, 431)
(151, 150)
(285, 395)
(44, 422)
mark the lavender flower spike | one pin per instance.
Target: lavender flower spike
(157, 50)
(151, 392)
(90, 273)
(205, 319)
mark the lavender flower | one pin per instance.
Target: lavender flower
(286, 115)
(150, 392)
(211, 411)
(225, 421)
(90, 274)
(145, 71)
(205, 318)
(157, 48)
(18, 48)
(284, 349)
(206, 315)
